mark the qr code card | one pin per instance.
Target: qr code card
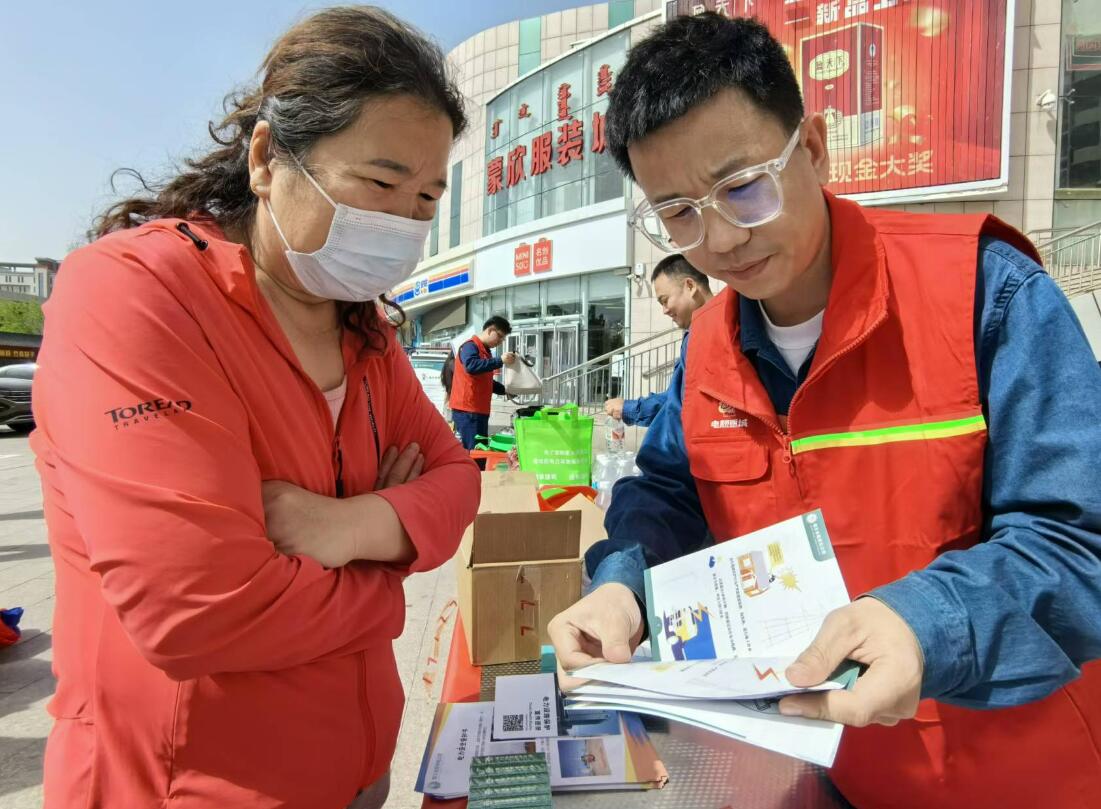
(525, 707)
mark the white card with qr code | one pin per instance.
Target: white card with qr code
(525, 707)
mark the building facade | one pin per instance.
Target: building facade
(28, 280)
(534, 223)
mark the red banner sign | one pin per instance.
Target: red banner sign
(913, 93)
(543, 252)
(521, 262)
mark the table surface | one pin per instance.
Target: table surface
(706, 770)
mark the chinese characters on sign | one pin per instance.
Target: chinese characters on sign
(494, 174)
(516, 165)
(522, 263)
(913, 93)
(541, 153)
(543, 251)
(571, 142)
(566, 118)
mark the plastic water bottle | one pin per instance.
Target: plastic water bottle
(604, 478)
(615, 431)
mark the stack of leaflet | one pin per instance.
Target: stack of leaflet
(724, 624)
(584, 749)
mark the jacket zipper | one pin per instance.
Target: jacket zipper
(338, 463)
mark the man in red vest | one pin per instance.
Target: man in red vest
(473, 386)
(918, 378)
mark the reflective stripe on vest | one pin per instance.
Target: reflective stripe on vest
(929, 431)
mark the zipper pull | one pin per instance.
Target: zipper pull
(789, 456)
(202, 244)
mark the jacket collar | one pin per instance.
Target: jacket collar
(229, 265)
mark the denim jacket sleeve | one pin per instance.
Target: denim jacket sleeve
(475, 364)
(642, 412)
(657, 516)
(1011, 619)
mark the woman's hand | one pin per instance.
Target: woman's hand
(398, 468)
(301, 522)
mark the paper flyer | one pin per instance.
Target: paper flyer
(601, 749)
(762, 595)
(728, 678)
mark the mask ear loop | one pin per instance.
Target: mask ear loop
(309, 177)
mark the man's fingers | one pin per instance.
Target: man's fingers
(568, 647)
(873, 699)
(418, 467)
(835, 641)
(566, 682)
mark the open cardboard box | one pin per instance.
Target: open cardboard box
(518, 567)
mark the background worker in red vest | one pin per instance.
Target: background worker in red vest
(918, 378)
(680, 289)
(473, 385)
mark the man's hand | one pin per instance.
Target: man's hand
(305, 523)
(869, 632)
(606, 625)
(508, 358)
(398, 468)
(614, 408)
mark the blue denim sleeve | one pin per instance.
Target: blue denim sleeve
(474, 364)
(642, 412)
(657, 516)
(1011, 619)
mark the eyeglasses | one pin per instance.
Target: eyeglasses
(748, 199)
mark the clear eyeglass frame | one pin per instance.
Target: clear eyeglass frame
(647, 218)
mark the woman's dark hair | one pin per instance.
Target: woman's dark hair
(314, 83)
(685, 63)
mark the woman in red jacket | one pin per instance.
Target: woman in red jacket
(239, 465)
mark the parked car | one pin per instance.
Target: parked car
(15, 396)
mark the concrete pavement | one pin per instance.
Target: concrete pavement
(26, 683)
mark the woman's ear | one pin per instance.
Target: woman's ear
(259, 160)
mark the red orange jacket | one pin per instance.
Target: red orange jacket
(196, 665)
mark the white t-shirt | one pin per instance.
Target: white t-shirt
(335, 398)
(794, 342)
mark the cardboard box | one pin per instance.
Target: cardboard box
(842, 72)
(518, 567)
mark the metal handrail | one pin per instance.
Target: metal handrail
(1064, 233)
(631, 371)
(605, 357)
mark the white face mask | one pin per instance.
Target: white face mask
(366, 254)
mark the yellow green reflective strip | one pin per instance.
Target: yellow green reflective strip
(890, 435)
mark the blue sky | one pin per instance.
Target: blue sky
(88, 86)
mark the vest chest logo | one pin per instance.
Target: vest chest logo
(729, 420)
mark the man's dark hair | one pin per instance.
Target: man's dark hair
(499, 323)
(685, 63)
(677, 266)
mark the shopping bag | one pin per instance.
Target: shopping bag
(556, 445)
(520, 380)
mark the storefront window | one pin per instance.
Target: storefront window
(498, 305)
(1080, 120)
(563, 297)
(525, 302)
(546, 152)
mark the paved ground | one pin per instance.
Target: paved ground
(26, 580)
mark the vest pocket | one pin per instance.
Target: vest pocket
(725, 460)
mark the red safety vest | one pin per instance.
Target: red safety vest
(887, 437)
(472, 393)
